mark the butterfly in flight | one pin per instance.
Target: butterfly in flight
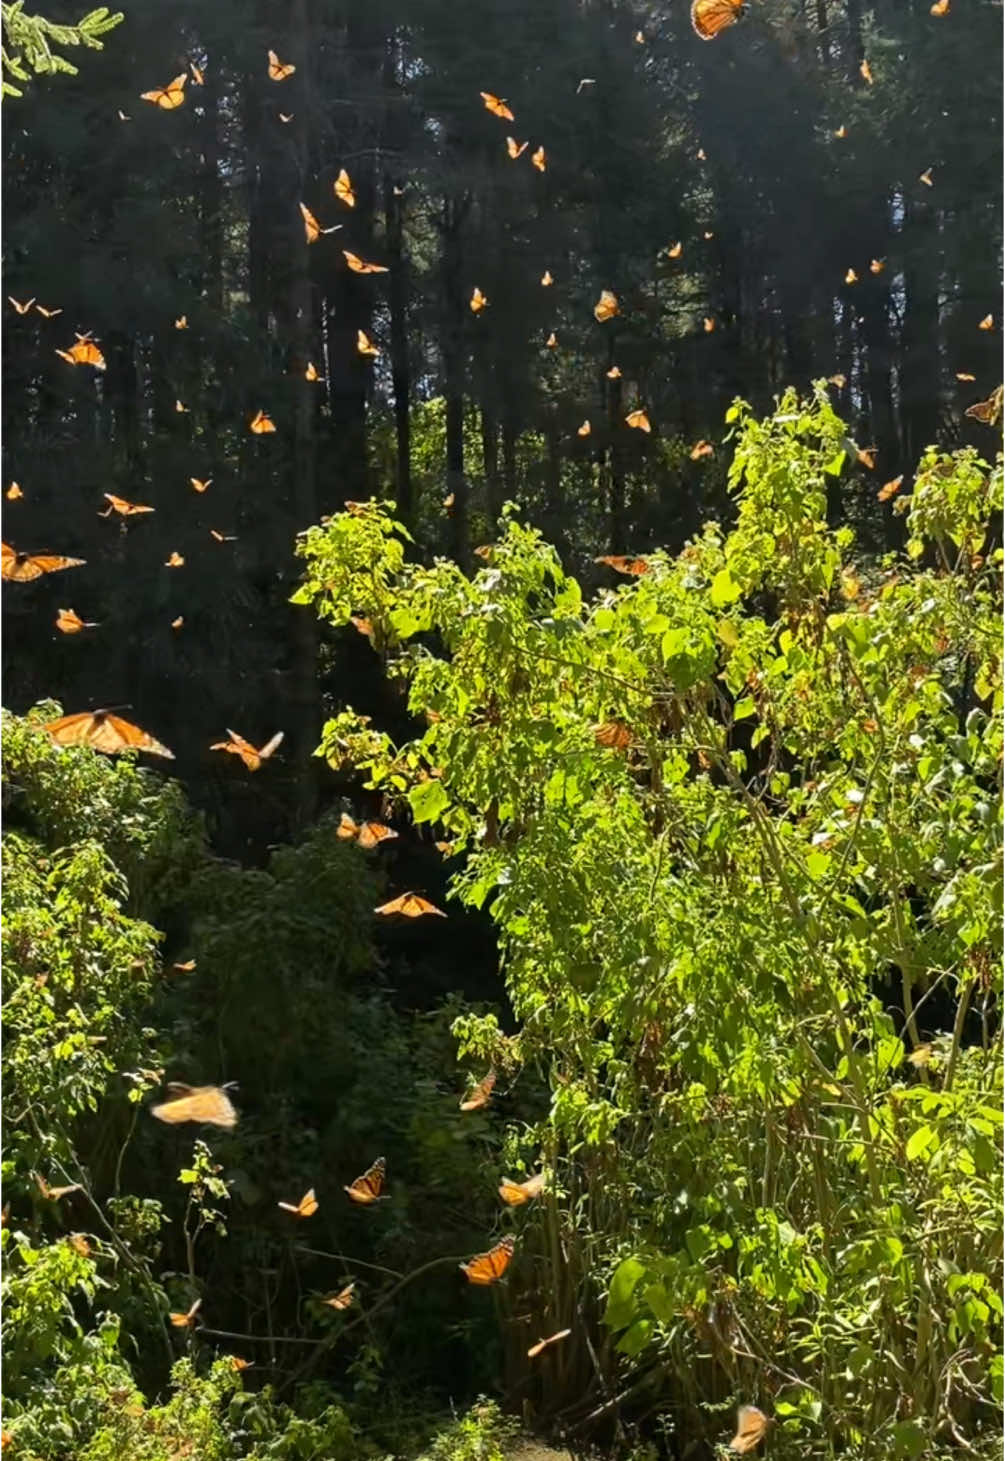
(987, 412)
(540, 159)
(552, 341)
(515, 1194)
(497, 106)
(14, 492)
(185, 1321)
(279, 70)
(480, 1094)
(639, 420)
(584, 429)
(198, 485)
(260, 424)
(889, 489)
(926, 178)
(251, 757)
(305, 1208)
(103, 731)
(752, 1426)
(367, 834)
(368, 1188)
(613, 735)
(542, 1344)
(343, 190)
(23, 567)
(477, 301)
(614, 373)
(606, 306)
(409, 905)
(675, 250)
(851, 277)
(865, 71)
(311, 371)
(53, 1194)
(710, 17)
(168, 97)
(546, 278)
(622, 563)
(701, 449)
(122, 507)
(22, 309)
(365, 345)
(207, 1104)
(312, 228)
(342, 1299)
(48, 314)
(513, 147)
(83, 352)
(360, 266)
(185, 967)
(69, 622)
(486, 1268)
(198, 79)
(876, 266)
(987, 323)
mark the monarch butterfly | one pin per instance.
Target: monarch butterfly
(48, 314)
(343, 190)
(540, 159)
(251, 757)
(865, 71)
(177, 623)
(78, 1242)
(987, 323)
(312, 228)
(260, 424)
(477, 300)
(546, 278)
(837, 380)
(184, 1321)
(198, 485)
(198, 79)
(708, 325)
(640, 39)
(514, 148)
(708, 234)
(851, 277)
(889, 489)
(701, 155)
(364, 345)
(613, 735)
(53, 1194)
(181, 408)
(103, 731)
(23, 567)
(360, 266)
(941, 7)
(237, 1363)
(367, 1189)
(410, 905)
(175, 561)
(186, 967)
(701, 449)
(481, 1094)
(989, 411)
(311, 371)
(585, 429)
(964, 375)
(22, 309)
(497, 106)
(841, 132)
(83, 352)
(543, 1344)
(367, 834)
(167, 97)
(606, 306)
(14, 493)
(876, 266)
(222, 537)
(68, 622)
(515, 1194)
(305, 1208)
(675, 250)
(751, 1427)
(279, 70)
(926, 178)
(621, 563)
(614, 373)
(709, 17)
(341, 1300)
(122, 507)
(449, 500)
(181, 323)
(287, 116)
(866, 455)
(361, 626)
(921, 1057)
(208, 1104)
(552, 341)
(122, 116)
(486, 1268)
(639, 420)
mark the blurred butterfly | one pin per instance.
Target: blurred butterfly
(639, 420)
(237, 1363)
(177, 623)
(640, 39)
(634, 567)
(222, 537)
(540, 160)
(312, 228)
(78, 1242)
(368, 1188)
(876, 266)
(122, 116)
(515, 1194)
(286, 116)
(988, 412)
(752, 1426)
(53, 1194)
(199, 485)
(708, 234)
(184, 1321)
(175, 561)
(198, 79)
(851, 277)
(22, 309)
(514, 148)
(708, 325)
(207, 1104)
(305, 1208)
(921, 1056)
(409, 905)
(552, 341)
(866, 456)
(23, 567)
(614, 373)
(481, 1094)
(343, 190)
(361, 625)
(486, 1268)
(675, 250)
(359, 266)
(926, 178)
(964, 375)
(701, 155)
(67, 622)
(497, 106)
(181, 408)
(865, 71)
(613, 735)
(584, 430)
(889, 489)
(260, 424)
(701, 449)
(477, 301)
(987, 323)
(837, 380)
(311, 371)
(546, 278)
(167, 97)
(841, 132)
(586, 81)
(543, 1344)
(364, 345)
(181, 323)
(709, 17)
(48, 314)
(941, 7)
(367, 834)
(279, 70)
(122, 507)
(186, 967)
(14, 493)
(606, 306)
(84, 352)
(341, 1300)
(449, 500)
(251, 757)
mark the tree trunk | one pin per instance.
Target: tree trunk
(452, 349)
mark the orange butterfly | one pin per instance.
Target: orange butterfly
(889, 489)
(53, 1194)
(237, 1363)
(639, 420)
(477, 300)
(614, 373)
(175, 561)
(362, 626)
(78, 1241)
(752, 1426)
(964, 375)
(837, 380)
(926, 178)
(181, 323)
(634, 567)
(987, 412)
(409, 905)
(584, 430)
(359, 266)
(305, 1208)
(613, 735)
(260, 424)
(876, 266)
(23, 567)
(866, 456)
(287, 116)
(103, 731)
(177, 623)
(987, 323)
(481, 1094)
(708, 325)
(606, 306)
(84, 352)
(941, 7)
(367, 834)
(222, 537)
(865, 71)
(708, 234)
(543, 1344)
(181, 408)
(841, 132)
(675, 250)
(122, 507)
(540, 160)
(341, 1300)
(311, 371)
(48, 314)
(709, 17)
(198, 485)
(367, 1189)
(851, 277)
(486, 1268)
(640, 39)
(364, 345)
(515, 1194)
(184, 1321)
(701, 155)
(186, 967)
(546, 278)
(552, 341)
(238, 746)
(67, 622)
(449, 500)
(514, 148)
(14, 493)
(198, 79)
(497, 106)
(22, 309)
(208, 1104)
(167, 97)
(701, 449)
(312, 228)
(343, 190)
(279, 70)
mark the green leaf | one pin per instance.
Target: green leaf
(724, 589)
(428, 800)
(621, 1307)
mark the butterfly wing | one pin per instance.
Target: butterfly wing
(371, 834)
(710, 17)
(481, 1094)
(207, 1104)
(613, 735)
(751, 1427)
(343, 190)
(367, 1189)
(487, 1268)
(343, 1299)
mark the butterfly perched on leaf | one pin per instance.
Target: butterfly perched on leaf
(638, 420)
(260, 424)
(365, 345)
(312, 228)
(342, 1299)
(279, 70)
(343, 189)
(480, 1094)
(752, 1425)
(710, 17)
(514, 148)
(497, 106)
(486, 1268)
(168, 97)
(185, 1321)
(122, 507)
(367, 834)
(477, 301)
(606, 306)
(613, 735)
(540, 159)
(103, 731)
(624, 563)
(207, 1104)
(53, 1194)
(515, 1194)
(542, 1344)
(23, 567)
(368, 1188)
(22, 309)
(68, 622)
(83, 352)
(305, 1208)
(251, 757)
(360, 266)
(409, 905)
